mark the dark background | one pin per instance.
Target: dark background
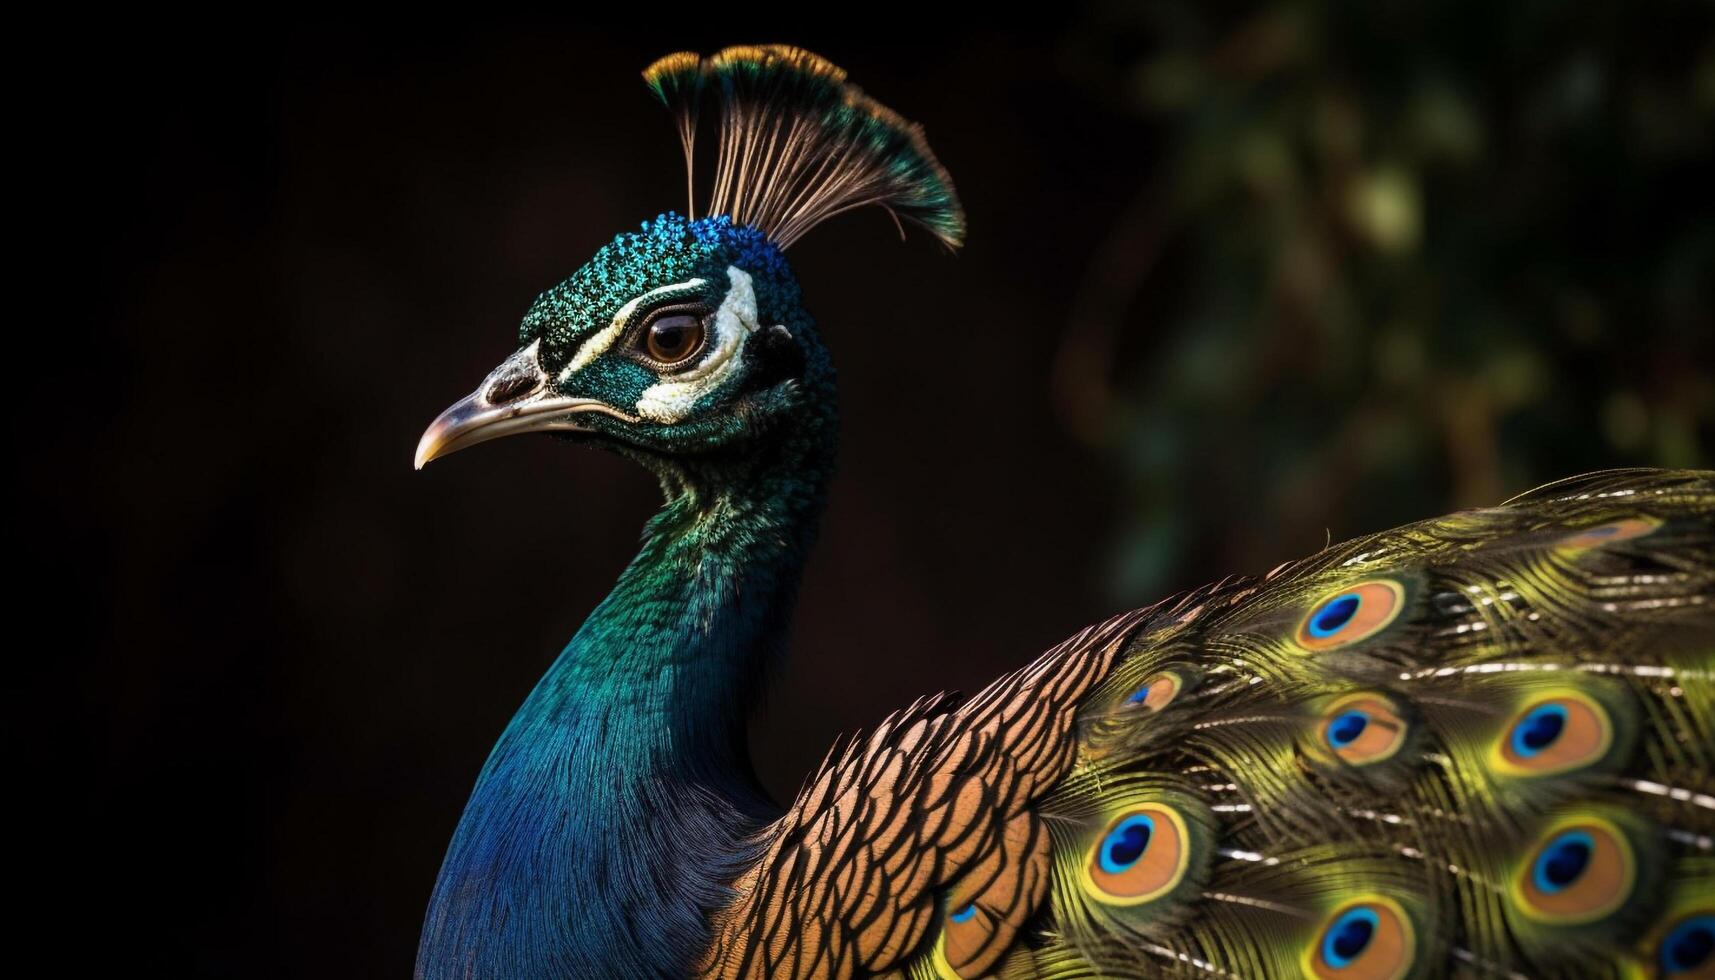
(1235, 283)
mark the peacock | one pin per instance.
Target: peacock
(1480, 745)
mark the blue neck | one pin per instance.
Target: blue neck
(613, 810)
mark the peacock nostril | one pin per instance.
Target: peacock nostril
(511, 388)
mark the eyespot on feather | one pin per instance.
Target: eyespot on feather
(1555, 733)
(1362, 729)
(1157, 692)
(1626, 529)
(1350, 615)
(1687, 947)
(1141, 855)
(1370, 939)
(1581, 869)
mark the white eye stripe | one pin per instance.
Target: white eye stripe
(671, 398)
(602, 339)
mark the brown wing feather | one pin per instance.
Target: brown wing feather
(934, 801)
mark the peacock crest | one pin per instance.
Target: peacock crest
(798, 144)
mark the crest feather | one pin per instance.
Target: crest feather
(798, 144)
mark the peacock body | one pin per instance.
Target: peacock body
(1476, 745)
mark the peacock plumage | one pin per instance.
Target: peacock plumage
(1477, 745)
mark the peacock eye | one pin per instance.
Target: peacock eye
(1141, 855)
(1372, 939)
(673, 338)
(1581, 870)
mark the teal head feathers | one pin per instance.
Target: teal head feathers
(682, 338)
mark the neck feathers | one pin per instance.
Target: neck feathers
(626, 767)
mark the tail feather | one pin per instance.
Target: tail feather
(1482, 743)
(1474, 746)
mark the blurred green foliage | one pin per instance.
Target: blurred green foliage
(1397, 259)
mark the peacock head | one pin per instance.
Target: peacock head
(683, 337)
(688, 337)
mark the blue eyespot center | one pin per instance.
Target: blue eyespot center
(1348, 937)
(1141, 696)
(963, 913)
(1539, 729)
(1563, 861)
(1689, 946)
(1126, 843)
(1345, 729)
(1334, 615)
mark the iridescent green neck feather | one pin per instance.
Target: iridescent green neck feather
(626, 766)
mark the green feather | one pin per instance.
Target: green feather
(1144, 900)
(1523, 690)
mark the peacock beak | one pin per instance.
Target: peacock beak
(516, 397)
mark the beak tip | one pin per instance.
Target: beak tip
(427, 448)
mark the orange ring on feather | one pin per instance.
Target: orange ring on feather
(1350, 615)
(1362, 729)
(1560, 731)
(1157, 692)
(1370, 939)
(1141, 855)
(1580, 870)
(1625, 529)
